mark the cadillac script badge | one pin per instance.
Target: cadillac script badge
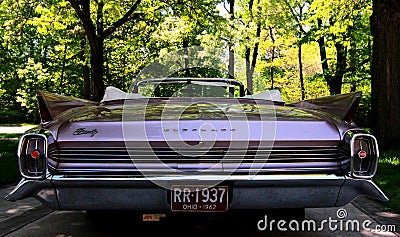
(82, 131)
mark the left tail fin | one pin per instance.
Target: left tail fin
(51, 104)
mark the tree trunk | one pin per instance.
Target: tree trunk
(63, 69)
(335, 85)
(301, 74)
(255, 54)
(185, 50)
(249, 70)
(271, 68)
(231, 56)
(385, 97)
(85, 70)
(87, 88)
(97, 56)
(107, 69)
(231, 69)
(231, 66)
(249, 78)
(324, 60)
(96, 35)
(301, 32)
(353, 87)
(86, 82)
(97, 63)
(250, 66)
(334, 82)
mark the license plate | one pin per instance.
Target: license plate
(199, 199)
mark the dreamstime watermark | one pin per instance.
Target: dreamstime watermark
(338, 223)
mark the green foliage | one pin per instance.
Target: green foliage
(11, 116)
(44, 45)
(363, 116)
(200, 72)
(388, 177)
(8, 162)
(10, 135)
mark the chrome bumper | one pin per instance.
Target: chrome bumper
(246, 192)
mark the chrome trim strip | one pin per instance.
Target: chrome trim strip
(353, 188)
(82, 172)
(206, 177)
(27, 186)
(231, 149)
(17, 190)
(385, 198)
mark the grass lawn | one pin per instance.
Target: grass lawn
(16, 124)
(388, 178)
(9, 172)
(10, 135)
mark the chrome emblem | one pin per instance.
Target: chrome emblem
(82, 131)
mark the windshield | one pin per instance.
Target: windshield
(189, 87)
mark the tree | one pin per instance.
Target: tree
(298, 17)
(253, 20)
(385, 27)
(231, 66)
(333, 27)
(251, 61)
(96, 34)
(47, 45)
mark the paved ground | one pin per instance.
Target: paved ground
(30, 218)
(14, 129)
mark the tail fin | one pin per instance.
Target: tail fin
(51, 104)
(345, 105)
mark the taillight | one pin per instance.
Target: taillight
(32, 154)
(364, 156)
(35, 154)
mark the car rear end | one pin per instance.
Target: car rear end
(92, 162)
